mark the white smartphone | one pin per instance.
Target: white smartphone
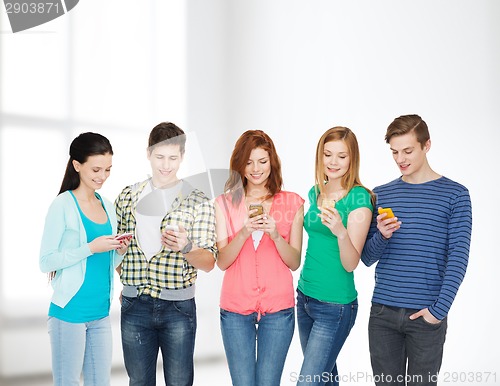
(172, 227)
(125, 235)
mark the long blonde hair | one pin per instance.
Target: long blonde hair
(351, 178)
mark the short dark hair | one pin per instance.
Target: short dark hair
(406, 124)
(167, 131)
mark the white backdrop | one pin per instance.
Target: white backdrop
(219, 67)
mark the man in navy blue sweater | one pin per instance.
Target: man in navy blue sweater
(421, 256)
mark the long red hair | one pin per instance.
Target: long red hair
(248, 141)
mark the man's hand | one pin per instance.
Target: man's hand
(428, 317)
(175, 240)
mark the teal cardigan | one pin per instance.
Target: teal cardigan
(64, 247)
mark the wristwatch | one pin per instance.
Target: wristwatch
(187, 248)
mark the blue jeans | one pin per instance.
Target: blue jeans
(81, 348)
(323, 330)
(404, 351)
(256, 349)
(149, 325)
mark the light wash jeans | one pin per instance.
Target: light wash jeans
(81, 348)
(323, 330)
(256, 349)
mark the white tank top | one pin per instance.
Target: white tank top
(152, 207)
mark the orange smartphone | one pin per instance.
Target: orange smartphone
(259, 207)
(389, 212)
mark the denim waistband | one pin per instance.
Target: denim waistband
(396, 308)
(131, 291)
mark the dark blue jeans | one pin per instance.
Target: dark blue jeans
(149, 325)
(323, 330)
(256, 349)
(404, 351)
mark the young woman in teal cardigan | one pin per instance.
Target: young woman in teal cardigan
(79, 252)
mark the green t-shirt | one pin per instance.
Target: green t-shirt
(323, 277)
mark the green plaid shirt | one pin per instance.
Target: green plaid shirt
(167, 269)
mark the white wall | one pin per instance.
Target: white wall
(296, 68)
(292, 68)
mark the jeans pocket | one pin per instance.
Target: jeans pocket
(376, 309)
(288, 312)
(433, 326)
(186, 307)
(127, 303)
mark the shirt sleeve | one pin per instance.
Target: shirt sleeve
(120, 206)
(61, 246)
(203, 231)
(459, 236)
(375, 243)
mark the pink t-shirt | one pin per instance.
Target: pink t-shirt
(258, 280)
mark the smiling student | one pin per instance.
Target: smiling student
(78, 250)
(258, 249)
(337, 223)
(174, 236)
(421, 257)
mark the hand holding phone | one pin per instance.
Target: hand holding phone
(328, 203)
(172, 227)
(125, 235)
(388, 211)
(252, 207)
(387, 228)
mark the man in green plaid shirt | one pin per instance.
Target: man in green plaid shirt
(174, 236)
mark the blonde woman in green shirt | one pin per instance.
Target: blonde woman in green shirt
(337, 223)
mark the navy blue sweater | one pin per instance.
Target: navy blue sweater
(424, 262)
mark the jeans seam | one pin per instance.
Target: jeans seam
(90, 346)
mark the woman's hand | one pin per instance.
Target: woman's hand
(124, 243)
(330, 217)
(104, 244)
(252, 224)
(268, 225)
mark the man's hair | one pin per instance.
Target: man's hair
(406, 124)
(167, 133)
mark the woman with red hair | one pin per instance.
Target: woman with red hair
(258, 249)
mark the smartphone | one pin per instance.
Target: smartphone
(389, 212)
(125, 235)
(259, 207)
(328, 203)
(172, 227)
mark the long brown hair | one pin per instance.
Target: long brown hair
(351, 178)
(248, 141)
(81, 148)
